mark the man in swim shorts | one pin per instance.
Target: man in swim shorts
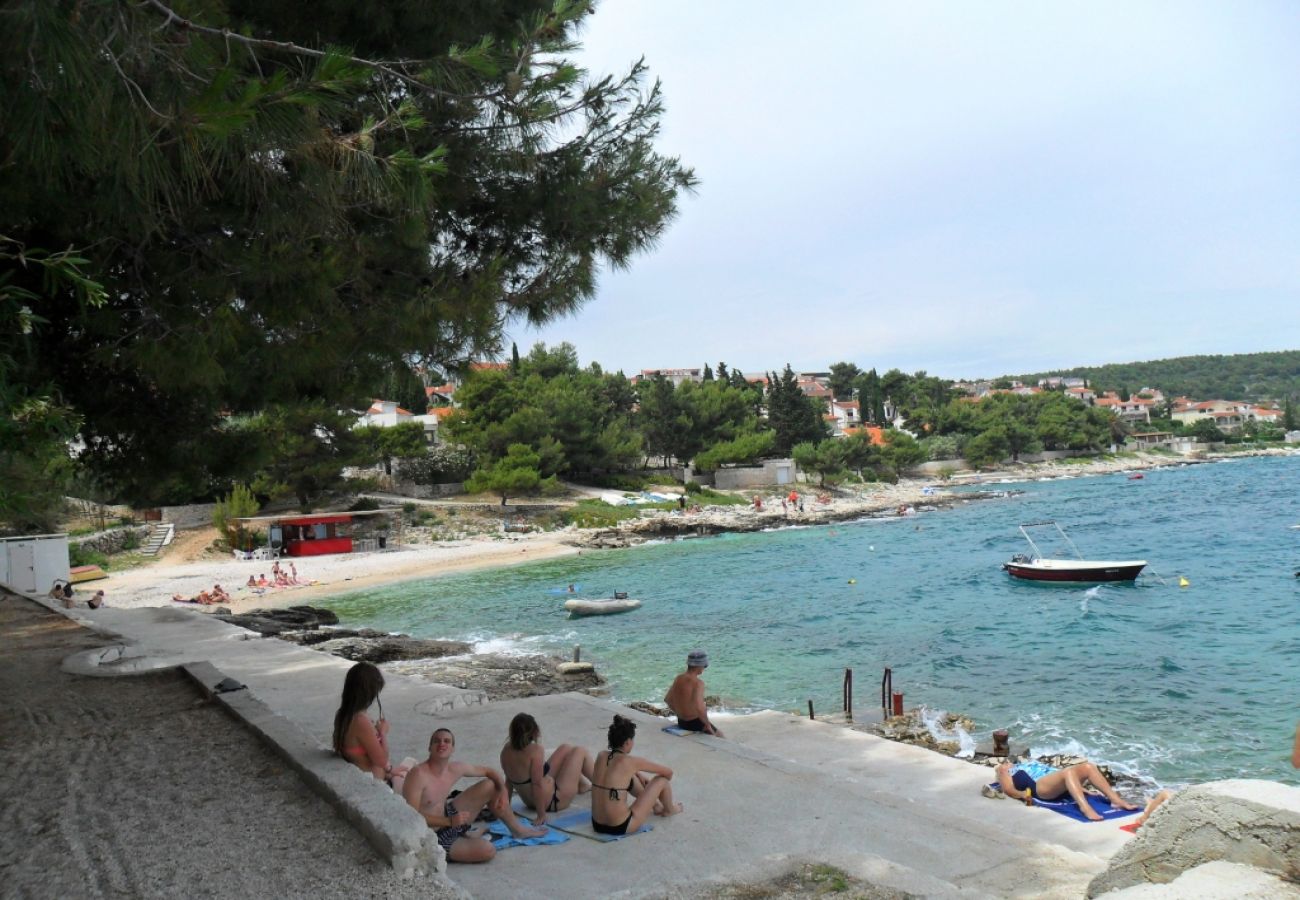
(686, 696)
(451, 813)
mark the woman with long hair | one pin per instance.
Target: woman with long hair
(616, 767)
(545, 785)
(357, 738)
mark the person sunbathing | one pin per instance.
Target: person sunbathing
(428, 791)
(261, 580)
(357, 738)
(545, 785)
(219, 594)
(610, 813)
(1016, 782)
(252, 583)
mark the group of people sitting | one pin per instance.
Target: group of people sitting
(625, 789)
(279, 578)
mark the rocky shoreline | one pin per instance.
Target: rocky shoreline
(498, 676)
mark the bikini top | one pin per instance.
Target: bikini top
(613, 792)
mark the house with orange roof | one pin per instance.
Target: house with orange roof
(844, 414)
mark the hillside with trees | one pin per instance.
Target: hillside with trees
(1245, 376)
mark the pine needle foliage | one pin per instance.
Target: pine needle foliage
(286, 201)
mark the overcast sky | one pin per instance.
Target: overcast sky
(972, 189)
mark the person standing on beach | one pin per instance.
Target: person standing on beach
(686, 696)
(451, 813)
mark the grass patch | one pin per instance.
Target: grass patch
(808, 881)
(709, 497)
(592, 513)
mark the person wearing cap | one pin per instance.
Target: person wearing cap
(686, 696)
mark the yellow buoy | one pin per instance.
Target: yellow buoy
(853, 581)
(1183, 582)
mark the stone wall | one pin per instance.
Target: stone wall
(426, 491)
(1251, 822)
(195, 515)
(114, 541)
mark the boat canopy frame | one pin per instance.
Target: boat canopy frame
(1038, 554)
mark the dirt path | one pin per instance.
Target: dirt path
(138, 787)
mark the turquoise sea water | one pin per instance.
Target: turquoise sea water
(1173, 684)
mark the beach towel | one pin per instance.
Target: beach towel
(1131, 827)
(680, 732)
(499, 834)
(578, 821)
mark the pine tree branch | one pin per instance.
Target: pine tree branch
(175, 20)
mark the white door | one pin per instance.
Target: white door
(22, 566)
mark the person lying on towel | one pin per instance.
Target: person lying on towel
(1056, 785)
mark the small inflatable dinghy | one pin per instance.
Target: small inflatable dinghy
(605, 607)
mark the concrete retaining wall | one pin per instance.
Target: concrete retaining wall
(396, 831)
(1255, 823)
(773, 471)
(427, 491)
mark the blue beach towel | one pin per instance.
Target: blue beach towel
(499, 834)
(680, 732)
(578, 821)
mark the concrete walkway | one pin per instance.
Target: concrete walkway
(778, 790)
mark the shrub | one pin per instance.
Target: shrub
(80, 555)
(239, 503)
(620, 481)
(363, 504)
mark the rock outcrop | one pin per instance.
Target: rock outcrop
(1249, 822)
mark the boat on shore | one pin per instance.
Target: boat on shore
(1037, 567)
(607, 606)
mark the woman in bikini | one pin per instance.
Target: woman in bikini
(618, 774)
(545, 786)
(360, 741)
(1057, 785)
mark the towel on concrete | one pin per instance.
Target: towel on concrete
(578, 821)
(680, 732)
(1065, 805)
(499, 834)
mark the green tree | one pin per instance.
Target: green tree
(794, 417)
(988, 448)
(825, 459)
(401, 441)
(306, 448)
(1206, 431)
(844, 376)
(289, 202)
(1289, 419)
(514, 474)
(745, 449)
(901, 452)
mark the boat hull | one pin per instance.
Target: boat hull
(1075, 571)
(600, 607)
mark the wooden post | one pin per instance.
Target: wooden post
(848, 695)
(577, 653)
(810, 710)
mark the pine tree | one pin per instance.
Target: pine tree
(275, 218)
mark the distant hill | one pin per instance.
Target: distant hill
(1245, 376)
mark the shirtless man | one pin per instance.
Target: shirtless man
(686, 696)
(428, 791)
